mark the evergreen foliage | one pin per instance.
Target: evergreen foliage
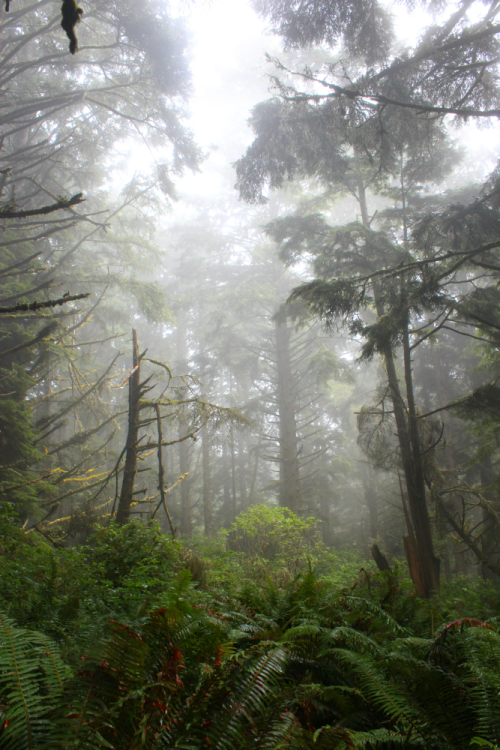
(257, 620)
(372, 127)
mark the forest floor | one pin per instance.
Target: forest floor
(136, 641)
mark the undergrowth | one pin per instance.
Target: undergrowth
(117, 645)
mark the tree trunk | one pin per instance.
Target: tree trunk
(289, 487)
(130, 470)
(184, 460)
(371, 501)
(233, 479)
(429, 562)
(226, 474)
(182, 366)
(242, 473)
(490, 540)
(254, 473)
(461, 566)
(419, 546)
(207, 504)
(161, 474)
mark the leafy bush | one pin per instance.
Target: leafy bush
(272, 533)
(305, 666)
(271, 545)
(274, 541)
(148, 659)
(70, 593)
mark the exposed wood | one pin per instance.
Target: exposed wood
(414, 564)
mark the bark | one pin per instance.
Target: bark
(490, 540)
(254, 474)
(419, 546)
(380, 559)
(371, 502)
(130, 470)
(289, 485)
(242, 473)
(226, 470)
(6, 213)
(207, 504)
(161, 473)
(184, 457)
(421, 551)
(233, 479)
(184, 460)
(25, 306)
(429, 562)
(461, 567)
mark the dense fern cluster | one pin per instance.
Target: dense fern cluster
(139, 657)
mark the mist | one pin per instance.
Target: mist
(249, 401)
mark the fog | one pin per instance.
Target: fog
(177, 256)
(293, 214)
(250, 323)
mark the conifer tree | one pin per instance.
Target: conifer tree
(357, 138)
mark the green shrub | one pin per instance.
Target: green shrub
(69, 593)
(337, 657)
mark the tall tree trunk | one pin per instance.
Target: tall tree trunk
(490, 540)
(182, 366)
(161, 474)
(205, 440)
(254, 472)
(184, 461)
(226, 474)
(242, 473)
(461, 565)
(233, 479)
(441, 385)
(371, 501)
(289, 486)
(207, 500)
(170, 479)
(419, 545)
(130, 470)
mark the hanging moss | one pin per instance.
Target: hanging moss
(71, 15)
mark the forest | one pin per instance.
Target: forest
(249, 374)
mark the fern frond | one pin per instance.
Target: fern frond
(437, 696)
(352, 639)
(32, 673)
(385, 738)
(361, 606)
(382, 692)
(482, 648)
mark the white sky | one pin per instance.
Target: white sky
(228, 55)
(228, 46)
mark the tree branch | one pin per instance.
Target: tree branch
(30, 306)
